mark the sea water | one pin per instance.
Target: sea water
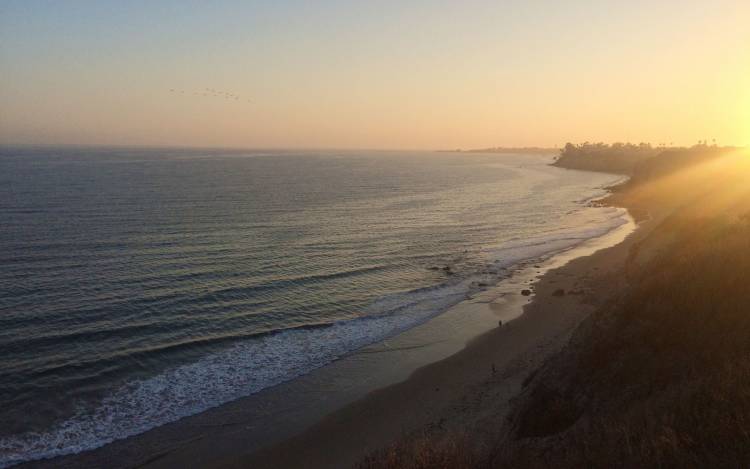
(140, 286)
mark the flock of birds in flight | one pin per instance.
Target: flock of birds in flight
(211, 93)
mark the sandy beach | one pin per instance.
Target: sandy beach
(462, 393)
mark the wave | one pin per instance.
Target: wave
(252, 364)
(239, 370)
(545, 245)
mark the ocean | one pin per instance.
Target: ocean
(140, 286)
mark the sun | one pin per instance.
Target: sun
(744, 119)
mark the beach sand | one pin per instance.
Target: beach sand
(476, 385)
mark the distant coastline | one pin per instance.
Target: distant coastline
(507, 150)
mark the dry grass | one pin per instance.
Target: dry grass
(426, 452)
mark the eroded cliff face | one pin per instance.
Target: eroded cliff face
(655, 377)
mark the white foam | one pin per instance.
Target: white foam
(238, 371)
(252, 365)
(595, 222)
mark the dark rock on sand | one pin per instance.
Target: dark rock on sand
(526, 292)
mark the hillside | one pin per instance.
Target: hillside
(656, 377)
(616, 158)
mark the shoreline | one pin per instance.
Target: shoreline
(479, 381)
(229, 429)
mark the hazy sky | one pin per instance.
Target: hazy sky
(375, 74)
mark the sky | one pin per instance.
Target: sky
(374, 74)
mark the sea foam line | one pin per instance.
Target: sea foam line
(252, 365)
